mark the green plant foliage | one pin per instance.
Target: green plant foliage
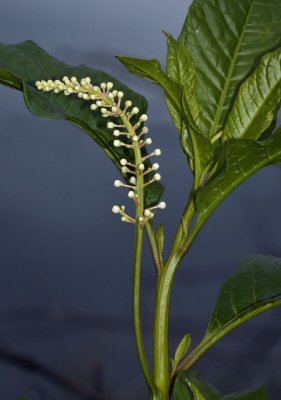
(224, 39)
(253, 289)
(181, 351)
(191, 387)
(257, 101)
(242, 159)
(24, 63)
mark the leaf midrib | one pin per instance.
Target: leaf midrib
(214, 126)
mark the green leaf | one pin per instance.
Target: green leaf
(202, 390)
(257, 394)
(24, 63)
(258, 100)
(181, 350)
(243, 158)
(253, 289)
(182, 389)
(224, 39)
(152, 70)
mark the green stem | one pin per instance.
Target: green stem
(136, 309)
(153, 247)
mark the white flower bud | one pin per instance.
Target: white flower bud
(123, 161)
(157, 152)
(114, 92)
(86, 96)
(135, 138)
(103, 85)
(162, 205)
(128, 103)
(99, 103)
(155, 166)
(143, 118)
(144, 129)
(131, 194)
(56, 90)
(109, 85)
(116, 132)
(116, 209)
(148, 141)
(124, 219)
(114, 109)
(140, 219)
(120, 94)
(124, 170)
(93, 97)
(157, 177)
(117, 183)
(80, 95)
(135, 110)
(141, 167)
(117, 143)
(103, 110)
(110, 125)
(147, 213)
(133, 180)
(93, 107)
(73, 79)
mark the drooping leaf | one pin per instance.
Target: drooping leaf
(24, 63)
(243, 158)
(181, 350)
(224, 39)
(258, 100)
(152, 70)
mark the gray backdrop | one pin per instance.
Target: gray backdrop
(66, 261)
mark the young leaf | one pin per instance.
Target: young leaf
(243, 158)
(181, 350)
(24, 63)
(257, 101)
(224, 38)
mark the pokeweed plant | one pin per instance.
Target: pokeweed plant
(222, 86)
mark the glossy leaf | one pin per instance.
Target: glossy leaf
(253, 289)
(224, 39)
(258, 100)
(182, 389)
(193, 387)
(24, 63)
(243, 158)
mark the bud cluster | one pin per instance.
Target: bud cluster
(125, 132)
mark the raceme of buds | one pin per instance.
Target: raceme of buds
(128, 134)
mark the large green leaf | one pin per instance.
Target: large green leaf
(243, 158)
(253, 289)
(24, 63)
(192, 387)
(258, 100)
(224, 39)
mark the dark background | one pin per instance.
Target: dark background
(66, 260)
